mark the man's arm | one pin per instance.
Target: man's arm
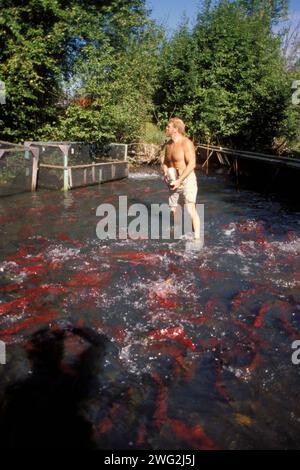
(163, 165)
(190, 160)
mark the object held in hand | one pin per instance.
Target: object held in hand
(172, 176)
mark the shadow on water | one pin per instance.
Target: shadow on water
(43, 411)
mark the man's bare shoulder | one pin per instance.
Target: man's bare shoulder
(188, 143)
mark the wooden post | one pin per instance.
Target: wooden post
(206, 161)
(93, 173)
(70, 177)
(207, 157)
(220, 158)
(66, 173)
(237, 173)
(65, 150)
(35, 161)
(34, 174)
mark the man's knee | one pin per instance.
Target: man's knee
(191, 208)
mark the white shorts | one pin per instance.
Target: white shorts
(188, 190)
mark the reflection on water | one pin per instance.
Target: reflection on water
(144, 344)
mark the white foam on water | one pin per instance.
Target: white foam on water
(124, 354)
(292, 246)
(131, 359)
(14, 270)
(21, 276)
(60, 253)
(8, 265)
(11, 320)
(245, 269)
(235, 251)
(187, 236)
(242, 374)
(229, 232)
(285, 284)
(163, 288)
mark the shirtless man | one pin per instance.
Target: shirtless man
(180, 155)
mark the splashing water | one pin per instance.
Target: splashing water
(174, 349)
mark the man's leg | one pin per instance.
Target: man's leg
(190, 195)
(192, 210)
(176, 220)
(173, 204)
(177, 213)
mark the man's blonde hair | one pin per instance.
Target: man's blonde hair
(178, 124)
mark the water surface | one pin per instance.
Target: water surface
(140, 344)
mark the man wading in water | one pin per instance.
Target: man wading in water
(178, 165)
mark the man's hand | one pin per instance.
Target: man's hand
(175, 184)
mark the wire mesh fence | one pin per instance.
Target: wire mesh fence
(66, 165)
(18, 168)
(59, 165)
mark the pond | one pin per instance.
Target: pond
(144, 344)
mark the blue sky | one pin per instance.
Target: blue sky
(170, 12)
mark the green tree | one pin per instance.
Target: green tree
(39, 40)
(48, 45)
(179, 77)
(238, 91)
(271, 10)
(118, 77)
